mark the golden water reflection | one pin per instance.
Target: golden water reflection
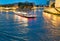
(21, 20)
(53, 19)
(22, 24)
(52, 24)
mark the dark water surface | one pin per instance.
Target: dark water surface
(46, 27)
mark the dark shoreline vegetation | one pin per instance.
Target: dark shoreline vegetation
(21, 5)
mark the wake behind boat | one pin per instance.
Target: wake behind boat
(25, 14)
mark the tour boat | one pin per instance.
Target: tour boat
(54, 8)
(25, 14)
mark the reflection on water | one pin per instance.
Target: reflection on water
(14, 27)
(52, 19)
(46, 27)
(11, 26)
(21, 20)
(52, 24)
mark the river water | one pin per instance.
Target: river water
(45, 27)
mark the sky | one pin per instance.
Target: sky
(37, 2)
